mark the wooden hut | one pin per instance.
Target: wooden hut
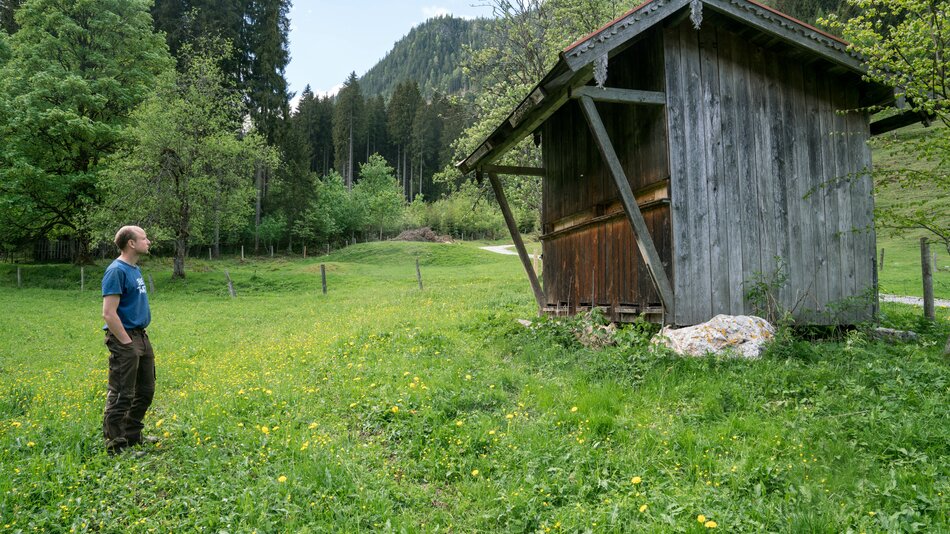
(695, 152)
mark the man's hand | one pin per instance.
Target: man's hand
(110, 306)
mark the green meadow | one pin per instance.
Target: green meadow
(382, 407)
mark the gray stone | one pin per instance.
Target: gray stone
(737, 335)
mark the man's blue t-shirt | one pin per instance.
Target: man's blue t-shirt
(126, 281)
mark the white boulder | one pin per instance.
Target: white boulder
(740, 335)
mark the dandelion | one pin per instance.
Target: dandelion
(636, 480)
(474, 472)
(31, 444)
(710, 524)
(491, 432)
(158, 424)
(312, 426)
(573, 409)
(643, 508)
(510, 416)
(701, 518)
(395, 409)
(468, 377)
(459, 423)
(281, 479)
(305, 445)
(265, 430)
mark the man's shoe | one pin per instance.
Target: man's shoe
(117, 445)
(144, 439)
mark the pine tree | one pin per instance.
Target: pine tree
(347, 119)
(7, 20)
(402, 111)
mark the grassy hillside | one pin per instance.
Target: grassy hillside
(380, 407)
(901, 272)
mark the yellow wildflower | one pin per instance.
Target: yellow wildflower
(265, 430)
(395, 409)
(573, 409)
(710, 524)
(643, 508)
(636, 480)
(474, 472)
(281, 479)
(701, 518)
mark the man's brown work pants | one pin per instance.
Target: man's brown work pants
(131, 388)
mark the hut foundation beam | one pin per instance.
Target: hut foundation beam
(516, 237)
(644, 240)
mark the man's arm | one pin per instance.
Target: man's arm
(110, 306)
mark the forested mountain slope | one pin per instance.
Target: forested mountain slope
(431, 54)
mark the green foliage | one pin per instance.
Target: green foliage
(186, 175)
(347, 123)
(377, 194)
(76, 71)
(905, 44)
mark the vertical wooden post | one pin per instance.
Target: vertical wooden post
(151, 284)
(82, 278)
(323, 276)
(418, 274)
(230, 284)
(272, 251)
(516, 237)
(19, 278)
(242, 252)
(928, 278)
(305, 252)
(209, 253)
(880, 264)
(328, 248)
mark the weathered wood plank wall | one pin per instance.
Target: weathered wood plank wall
(598, 260)
(765, 173)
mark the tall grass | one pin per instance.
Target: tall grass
(379, 407)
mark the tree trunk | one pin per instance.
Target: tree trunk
(259, 180)
(349, 173)
(181, 249)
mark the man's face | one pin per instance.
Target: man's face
(141, 243)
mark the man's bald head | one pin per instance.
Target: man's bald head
(126, 234)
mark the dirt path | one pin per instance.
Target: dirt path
(505, 249)
(914, 301)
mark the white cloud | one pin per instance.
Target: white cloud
(435, 11)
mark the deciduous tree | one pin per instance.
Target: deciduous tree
(76, 71)
(187, 174)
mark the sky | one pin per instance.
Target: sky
(330, 39)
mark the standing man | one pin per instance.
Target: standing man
(131, 360)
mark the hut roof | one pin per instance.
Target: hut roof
(574, 67)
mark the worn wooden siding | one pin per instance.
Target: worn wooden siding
(598, 260)
(765, 172)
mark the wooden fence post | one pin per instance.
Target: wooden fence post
(151, 284)
(418, 273)
(928, 279)
(242, 252)
(230, 284)
(880, 265)
(272, 251)
(209, 253)
(323, 276)
(19, 279)
(305, 252)
(82, 278)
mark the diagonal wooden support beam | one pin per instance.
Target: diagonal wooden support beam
(644, 240)
(516, 237)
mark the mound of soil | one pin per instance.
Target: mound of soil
(423, 234)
